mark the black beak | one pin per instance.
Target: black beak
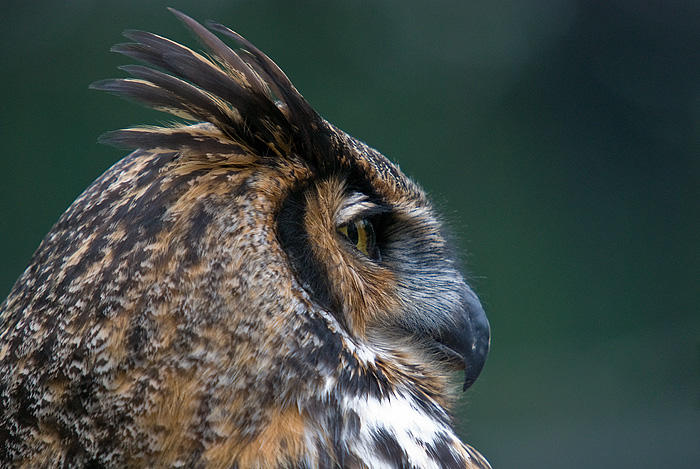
(466, 342)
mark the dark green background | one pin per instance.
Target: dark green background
(560, 138)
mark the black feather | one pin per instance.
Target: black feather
(198, 102)
(145, 137)
(222, 52)
(283, 87)
(142, 53)
(145, 93)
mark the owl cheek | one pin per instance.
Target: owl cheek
(337, 276)
(363, 294)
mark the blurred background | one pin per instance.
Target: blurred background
(561, 139)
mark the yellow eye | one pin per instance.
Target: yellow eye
(361, 234)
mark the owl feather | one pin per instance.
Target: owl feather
(249, 288)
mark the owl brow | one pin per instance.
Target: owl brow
(358, 205)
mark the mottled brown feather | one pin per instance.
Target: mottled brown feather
(197, 306)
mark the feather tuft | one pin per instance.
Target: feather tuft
(245, 97)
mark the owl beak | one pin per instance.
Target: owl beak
(466, 342)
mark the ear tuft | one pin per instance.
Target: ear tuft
(243, 94)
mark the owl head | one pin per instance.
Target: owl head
(362, 240)
(250, 287)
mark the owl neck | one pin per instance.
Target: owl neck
(381, 411)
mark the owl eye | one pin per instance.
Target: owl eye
(361, 234)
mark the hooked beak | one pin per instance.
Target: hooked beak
(465, 343)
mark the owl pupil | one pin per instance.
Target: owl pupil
(361, 234)
(353, 235)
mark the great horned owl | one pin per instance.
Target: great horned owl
(254, 289)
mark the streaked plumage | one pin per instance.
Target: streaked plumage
(254, 289)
